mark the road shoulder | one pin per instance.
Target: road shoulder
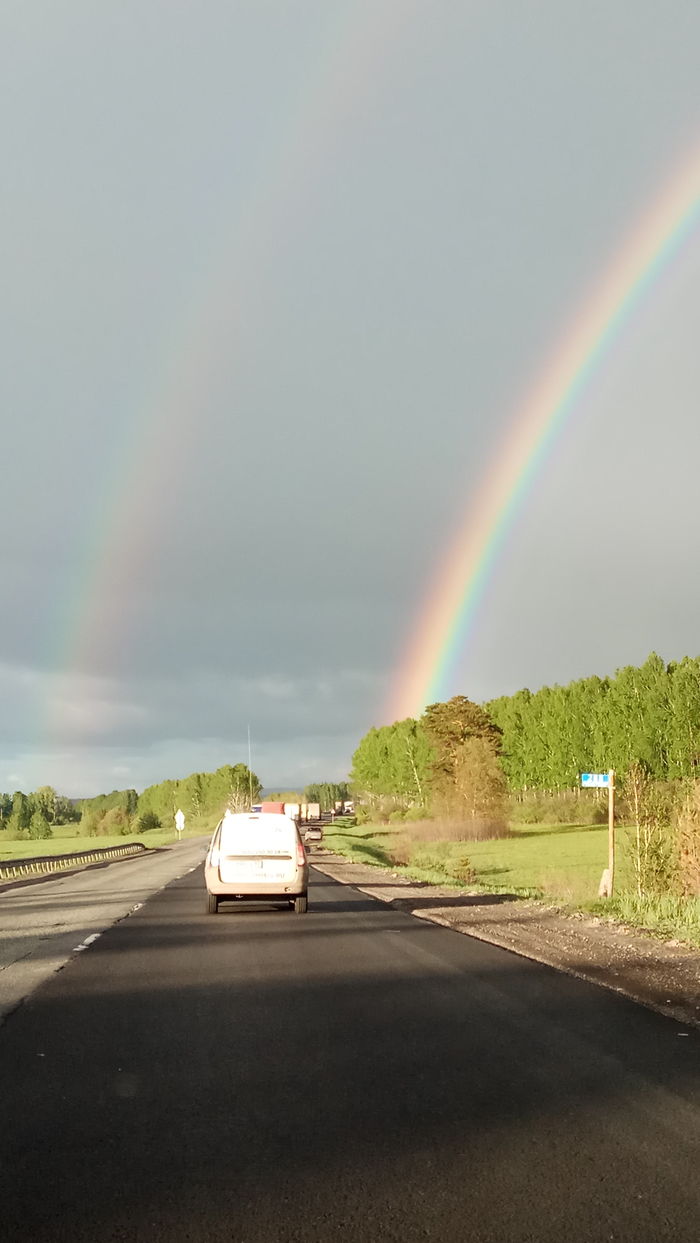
(662, 975)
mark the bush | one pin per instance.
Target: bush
(116, 820)
(146, 821)
(363, 815)
(689, 842)
(416, 814)
(39, 827)
(438, 857)
(397, 816)
(565, 807)
(461, 868)
(456, 829)
(89, 824)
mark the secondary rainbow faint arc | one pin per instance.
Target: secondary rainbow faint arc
(121, 541)
(444, 624)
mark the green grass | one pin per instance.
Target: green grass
(666, 915)
(558, 863)
(70, 841)
(563, 861)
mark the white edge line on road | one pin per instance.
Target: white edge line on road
(88, 941)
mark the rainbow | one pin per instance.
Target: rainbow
(426, 671)
(92, 623)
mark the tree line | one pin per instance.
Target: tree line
(34, 816)
(644, 718)
(201, 796)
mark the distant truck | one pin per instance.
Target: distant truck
(296, 811)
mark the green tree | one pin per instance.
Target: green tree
(480, 781)
(327, 793)
(39, 827)
(21, 813)
(448, 725)
(45, 800)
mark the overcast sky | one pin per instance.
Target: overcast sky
(275, 277)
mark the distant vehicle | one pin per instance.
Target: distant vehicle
(313, 833)
(256, 807)
(276, 809)
(259, 857)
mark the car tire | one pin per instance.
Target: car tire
(301, 904)
(212, 904)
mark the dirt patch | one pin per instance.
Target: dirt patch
(660, 974)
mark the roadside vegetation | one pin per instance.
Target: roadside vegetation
(488, 795)
(326, 793)
(44, 822)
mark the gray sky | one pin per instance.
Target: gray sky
(276, 276)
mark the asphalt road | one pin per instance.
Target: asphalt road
(353, 1074)
(42, 922)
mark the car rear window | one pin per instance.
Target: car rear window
(258, 835)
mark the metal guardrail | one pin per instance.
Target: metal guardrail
(14, 869)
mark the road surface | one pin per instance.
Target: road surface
(354, 1074)
(42, 922)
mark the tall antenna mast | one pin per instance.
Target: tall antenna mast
(250, 770)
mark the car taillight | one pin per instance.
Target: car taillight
(214, 858)
(301, 855)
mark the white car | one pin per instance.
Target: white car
(259, 857)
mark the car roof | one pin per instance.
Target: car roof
(266, 817)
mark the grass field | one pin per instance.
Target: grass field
(71, 841)
(560, 863)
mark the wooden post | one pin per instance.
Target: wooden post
(611, 833)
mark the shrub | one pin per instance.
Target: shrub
(456, 829)
(689, 842)
(563, 807)
(397, 816)
(89, 822)
(416, 814)
(115, 821)
(363, 814)
(39, 827)
(146, 821)
(461, 868)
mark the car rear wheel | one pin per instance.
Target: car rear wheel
(212, 904)
(301, 904)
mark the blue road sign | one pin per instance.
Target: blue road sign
(595, 779)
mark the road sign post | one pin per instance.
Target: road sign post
(605, 781)
(611, 832)
(179, 822)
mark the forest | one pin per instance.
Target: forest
(644, 718)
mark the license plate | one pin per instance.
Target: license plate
(252, 869)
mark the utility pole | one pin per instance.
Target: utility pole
(611, 832)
